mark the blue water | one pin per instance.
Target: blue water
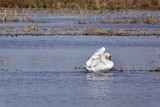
(48, 72)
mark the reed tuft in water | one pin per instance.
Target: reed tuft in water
(157, 69)
(151, 20)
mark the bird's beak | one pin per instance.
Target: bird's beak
(110, 58)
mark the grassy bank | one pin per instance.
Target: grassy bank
(85, 4)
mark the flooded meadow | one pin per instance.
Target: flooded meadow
(41, 60)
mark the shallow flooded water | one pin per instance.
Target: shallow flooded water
(47, 71)
(113, 22)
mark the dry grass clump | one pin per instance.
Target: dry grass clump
(31, 28)
(71, 29)
(85, 4)
(82, 21)
(100, 31)
(135, 21)
(112, 21)
(93, 31)
(156, 69)
(151, 20)
(148, 20)
(105, 21)
(113, 31)
(116, 21)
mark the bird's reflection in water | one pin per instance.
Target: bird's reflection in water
(99, 76)
(100, 86)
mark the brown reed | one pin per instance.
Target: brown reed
(85, 4)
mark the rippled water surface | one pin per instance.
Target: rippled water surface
(48, 72)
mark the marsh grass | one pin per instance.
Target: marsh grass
(123, 21)
(14, 15)
(157, 69)
(122, 66)
(93, 31)
(36, 30)
(85, 4)
(135, 21)
(97, 5)
(82, 21)
(151, 20)
(107, 20)
(148, 20)
(34, 27)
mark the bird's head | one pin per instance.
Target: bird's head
(108, 56)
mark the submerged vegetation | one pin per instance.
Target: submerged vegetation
(85, 4)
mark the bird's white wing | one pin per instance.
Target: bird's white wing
(96, 56)
(98, 53)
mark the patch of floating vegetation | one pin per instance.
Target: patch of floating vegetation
(148, 20)
(35, 30)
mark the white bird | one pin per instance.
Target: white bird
(99, 61)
